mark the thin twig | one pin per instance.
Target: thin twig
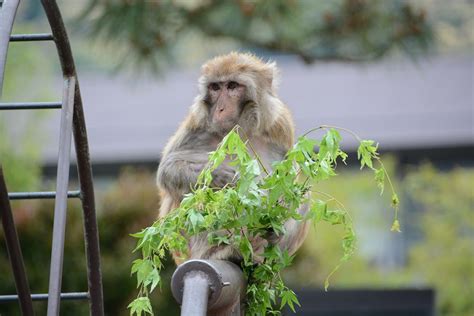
(257, 156)
(332, 198)
(335, 127)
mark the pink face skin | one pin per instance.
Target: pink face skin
(225, 99)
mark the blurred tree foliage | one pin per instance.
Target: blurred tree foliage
(20, 163)
(343, 30)
(439, 255)
(128, 206)
(444, 257)
(20, 136)
(441, 213)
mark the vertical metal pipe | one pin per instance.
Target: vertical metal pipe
(60, 206)
(225, 287)
(195, 294)
(14, 250)
(7, 16)
(91, 232)
(60, 37)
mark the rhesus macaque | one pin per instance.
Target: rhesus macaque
(235, 89)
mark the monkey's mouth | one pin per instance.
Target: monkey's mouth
(222, 128)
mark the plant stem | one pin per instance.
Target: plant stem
(260, 162)
(335, 127)
(386, 174)
(332, 198)
(390, 183)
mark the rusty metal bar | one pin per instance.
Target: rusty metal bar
(91, 233)
(7, 16)
(40, 195)
(71, 296)
(31, 37)
(60, 207)
(30, 105)
(14, 250)
(60, 37)
(208, 287)
(91, 230)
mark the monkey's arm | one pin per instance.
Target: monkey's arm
(178, 171)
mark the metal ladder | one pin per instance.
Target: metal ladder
(72, 124)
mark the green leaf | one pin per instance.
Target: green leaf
(288, 297)
(140, 305)
(142, 268)
(380, 179)
(136, 265)
(195, 218)
(395, 200)
(318, 210)
(366, 152)
(246, 250)
(332, 140)
(395, 226)
(154, 277)
(335, 217)
(221, 239)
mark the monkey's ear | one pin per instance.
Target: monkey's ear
(202, 86)
(197, 113)
(272, 75)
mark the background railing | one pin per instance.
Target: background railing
(72, 124)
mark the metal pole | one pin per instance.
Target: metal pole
(91, 232)
(71, 296)
(30, 105)
(7, 16)
(195, 294)
(41, 195)
(218, 285)
(60, 205)
(31, 37)
(14, 250)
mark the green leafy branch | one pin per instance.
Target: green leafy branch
(367, 153)
(253, 211)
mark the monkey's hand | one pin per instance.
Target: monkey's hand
(223, 175)
(179, 170)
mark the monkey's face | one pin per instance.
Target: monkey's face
(226, 100)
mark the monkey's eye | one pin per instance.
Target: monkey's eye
(214, 86)
(232, 85)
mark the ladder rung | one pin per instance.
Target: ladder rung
(44, 297)
(31, 37)
(30, 105)
(40, 195)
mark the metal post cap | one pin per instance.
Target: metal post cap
(225, 279)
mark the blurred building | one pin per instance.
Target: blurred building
(415, 109)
